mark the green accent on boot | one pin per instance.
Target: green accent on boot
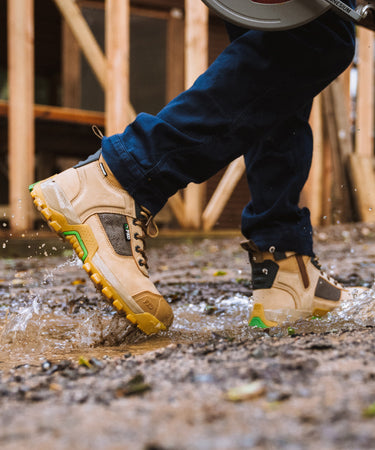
(80, 241)
(31, 187)
(257, 322)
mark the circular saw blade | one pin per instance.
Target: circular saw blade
(268, 14)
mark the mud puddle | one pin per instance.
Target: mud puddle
(74, 374)
(52, 312)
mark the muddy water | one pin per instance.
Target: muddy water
(50, 310)
(51, 313)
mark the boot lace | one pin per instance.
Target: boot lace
(316, 263)
(148, 228)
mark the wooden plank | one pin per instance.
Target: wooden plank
(21, 120)
(341, 112)
(85, 38)
(312, 194)
(71, 69)
(196, 62)
(341, 208)
(59, 114)
(222, 193)
(175, 82)
(178, 207)
(345, 79)
(117, 33)
(363, 184)
(175, 55)
(365, 95)
(361, 166)
(327, 179)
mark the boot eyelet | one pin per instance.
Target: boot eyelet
(138, 249)
(136, 235)
(141, 263)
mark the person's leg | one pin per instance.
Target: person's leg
(255, 87)
(259, 82)
(276, 172)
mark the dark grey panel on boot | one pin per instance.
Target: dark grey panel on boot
(327, 291)
(117, 230)
(90, 159)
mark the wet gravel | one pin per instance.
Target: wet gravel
(75, 375)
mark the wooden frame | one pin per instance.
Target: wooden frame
(20, 114)
(188, 58)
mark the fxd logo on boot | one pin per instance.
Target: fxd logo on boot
(127, 232)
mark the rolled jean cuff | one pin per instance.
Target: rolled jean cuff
(131, 175)
(285, 241)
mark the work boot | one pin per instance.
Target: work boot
(288, 286)
(88, 207)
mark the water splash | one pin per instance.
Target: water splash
(21, 330)
(360, 310)
(223, 315)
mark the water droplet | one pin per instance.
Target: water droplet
(4, 245)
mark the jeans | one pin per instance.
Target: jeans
(254, 100)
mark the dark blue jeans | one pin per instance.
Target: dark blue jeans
(254, 100)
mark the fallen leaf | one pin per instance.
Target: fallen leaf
(248, 391)
(84, 362)
(219, 273)
(135, 385)
(78, 281)
(369, 411)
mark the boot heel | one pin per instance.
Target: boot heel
(258, 319)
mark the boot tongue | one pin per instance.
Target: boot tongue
(250, 246)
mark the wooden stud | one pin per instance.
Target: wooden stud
(222, 193)
(340, 195)
(365, 95)
(196, 62)
(71, 69)
(85, 38)
(175, 54)
(342, 112)
(327, 179)
(312, 194)
(20, 118)
(56, 113)
(361, 166)
(363, 183)
(178, 207)
(117, 29)
(175, 84)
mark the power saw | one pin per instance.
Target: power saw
(285, 14)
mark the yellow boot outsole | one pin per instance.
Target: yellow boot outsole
(85, 245)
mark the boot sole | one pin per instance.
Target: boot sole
(83, 241)
(261, 318)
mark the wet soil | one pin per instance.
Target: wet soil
(74, 374)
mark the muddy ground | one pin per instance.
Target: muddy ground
(75, 375)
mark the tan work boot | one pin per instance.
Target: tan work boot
(88, 207)
(288, 286)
